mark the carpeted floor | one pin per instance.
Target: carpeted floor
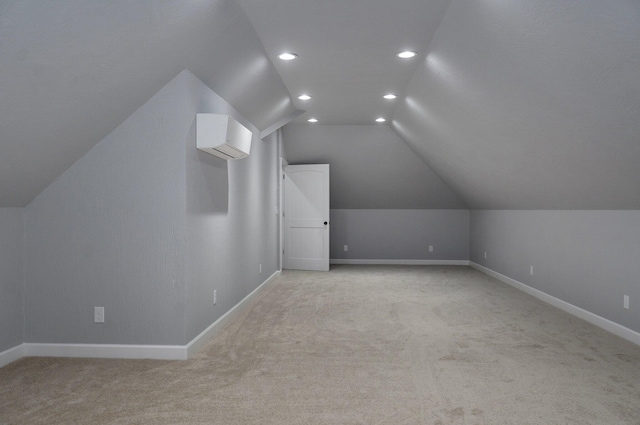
(358, 345)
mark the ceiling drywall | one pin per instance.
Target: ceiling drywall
(371, 167)
(72, 70)
(346, 51)
(518, 104)
(530, 104)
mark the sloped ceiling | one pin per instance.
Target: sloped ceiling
(516, 104)
(371, 167)
(346, 51)
(72, 70)
(530, 104)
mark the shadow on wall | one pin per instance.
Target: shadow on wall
(215, 173)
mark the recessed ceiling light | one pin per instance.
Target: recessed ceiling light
(312, 120)
(380, 119)
(304, 97)
(407, 54)
(287, 56)
(389, 96)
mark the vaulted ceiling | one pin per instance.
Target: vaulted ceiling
(518, 104)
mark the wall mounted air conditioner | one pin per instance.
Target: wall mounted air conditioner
(222, 136)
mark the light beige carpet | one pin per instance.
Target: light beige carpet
(358, 345)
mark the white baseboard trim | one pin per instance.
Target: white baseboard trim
(127, 351)
(106, 351)
(402, 262)
(199, 341)
(606, 324)
(11, 355)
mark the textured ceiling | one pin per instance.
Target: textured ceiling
(516, 104)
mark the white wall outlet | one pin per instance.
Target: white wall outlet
(430, 248)
(260, 269)
(531, 270)
(215, 296)
(485, 254)
(625, 302)
(346, 248)
(98, 314)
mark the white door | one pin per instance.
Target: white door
(306, 217)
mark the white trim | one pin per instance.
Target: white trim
(606, 324)
(106, 351)
(127, 351)
(11, 355)
(402, 262)
(199, 341)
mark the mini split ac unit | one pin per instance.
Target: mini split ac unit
(222, 136)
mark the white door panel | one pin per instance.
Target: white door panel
(307, 217)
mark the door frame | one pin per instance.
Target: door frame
(283, 163)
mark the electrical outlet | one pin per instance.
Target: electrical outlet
(430, 248)
(485, 254)
(215, 296)
(625, 302)
(98, 314)
(531, 270)
(346, 248)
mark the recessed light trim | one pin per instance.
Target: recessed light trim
(287, 56)
(312, 120)
(390, 96)
(407, 54)
(304, 97)
(381, 120)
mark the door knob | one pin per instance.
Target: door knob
(325, 223)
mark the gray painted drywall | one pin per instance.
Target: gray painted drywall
(371, 167)
(147, 226)
(73, 70)
(111, 232)
(531, 104)
(586, 258)
(400, 234)
(232, 227)
(11, 279)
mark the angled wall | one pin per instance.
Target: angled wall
(146, 226)
(111, 232)
(11, 282)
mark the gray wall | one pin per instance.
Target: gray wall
(231, 225)
(589, 259)
(11, 282)
(146, 226)
(400, 234)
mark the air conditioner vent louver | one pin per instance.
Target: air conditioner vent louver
(222, 136)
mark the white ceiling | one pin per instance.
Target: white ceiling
(517, 104)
